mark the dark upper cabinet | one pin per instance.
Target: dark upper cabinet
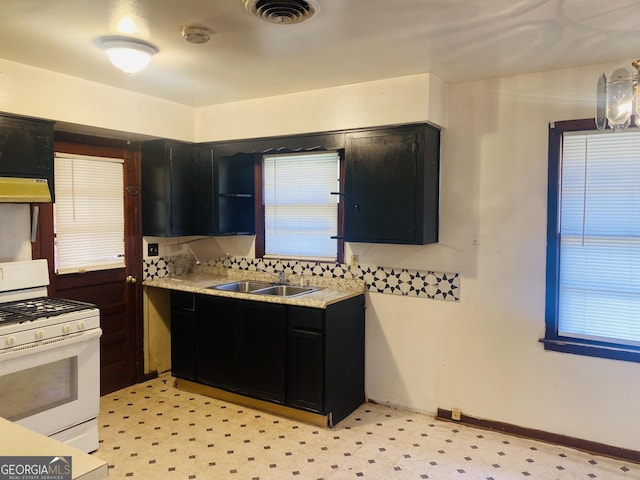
(26, 148)
(236, 194)
(168, 194)
(205, 203)
(391, 185)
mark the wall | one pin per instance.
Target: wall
(481, 354)
(407, 99)
(15, 232)
(97, 108)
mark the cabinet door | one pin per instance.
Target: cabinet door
(182, 335)
(380, 186)
(167, 188)
(216, 344)
(236, 194)
(305, 384)
(182, 175)
(263, 351)
(205, 192)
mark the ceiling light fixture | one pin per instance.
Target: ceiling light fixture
(618, 97)
(128, 54)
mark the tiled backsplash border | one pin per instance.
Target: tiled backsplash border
(392, 281)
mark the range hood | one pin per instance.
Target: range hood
(24, 190)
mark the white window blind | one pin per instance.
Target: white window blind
(300, 213)
(600, 237)
(89, 213)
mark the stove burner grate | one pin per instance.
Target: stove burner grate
(34, 308)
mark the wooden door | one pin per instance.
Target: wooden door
(117, 292)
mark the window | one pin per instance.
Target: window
(593, 247)
(301, 205)
(89, 213)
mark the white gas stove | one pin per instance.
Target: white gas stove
(49, 357)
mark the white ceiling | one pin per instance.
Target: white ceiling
(348, 41)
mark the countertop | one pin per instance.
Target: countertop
(331, 290)
(15, 440)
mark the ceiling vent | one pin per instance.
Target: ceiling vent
(283, 12)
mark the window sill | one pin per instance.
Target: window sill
(592, 348)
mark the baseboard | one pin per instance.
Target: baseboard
(148, 376)
(547, 437)
(277, 409)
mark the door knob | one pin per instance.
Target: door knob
(131, 279)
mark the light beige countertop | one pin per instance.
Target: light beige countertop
(15, 440)
(331, 290)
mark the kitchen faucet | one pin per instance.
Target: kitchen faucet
(279, 275)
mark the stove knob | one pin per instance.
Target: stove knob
(9, 341)
(39, 334)
(80, 325)
(66, 328)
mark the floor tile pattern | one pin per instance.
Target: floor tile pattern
(154, 431)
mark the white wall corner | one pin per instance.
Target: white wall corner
(437, 101)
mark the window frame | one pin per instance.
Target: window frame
(260, 209)
(552, 340)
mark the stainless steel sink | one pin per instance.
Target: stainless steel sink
(285, 290)
(264, 288)
(246, 286)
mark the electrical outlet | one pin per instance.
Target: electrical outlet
(152, 250)
(456, 414)
(354, 261)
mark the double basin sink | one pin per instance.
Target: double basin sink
(264, 288)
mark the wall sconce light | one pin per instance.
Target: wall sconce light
(618, 97)
(128, 54)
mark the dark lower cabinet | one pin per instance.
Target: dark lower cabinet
(325, 361)
(183, 309)
(306, 358)
(218, 341)
(263, 351)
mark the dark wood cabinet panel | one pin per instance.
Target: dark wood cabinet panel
(217, 341)
(236, 194)
(306, 358)
(168, 171)
(26, 149)
(263, 351)
(205, 203)
(182, 335)
(391, 185)
(325, 361)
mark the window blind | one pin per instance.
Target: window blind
(89, 213)
(599, 278)
(300, 213)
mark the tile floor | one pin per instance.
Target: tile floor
(154, 431)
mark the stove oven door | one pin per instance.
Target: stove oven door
(53, 387)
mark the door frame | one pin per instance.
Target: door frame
(43, 246)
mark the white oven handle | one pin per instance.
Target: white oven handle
(49, 344)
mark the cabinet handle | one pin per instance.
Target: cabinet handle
(357, 208)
